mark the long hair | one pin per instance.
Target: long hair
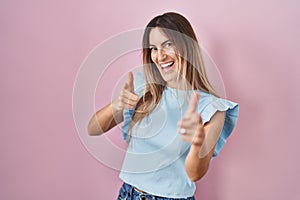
(178, 29)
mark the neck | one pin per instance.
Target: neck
(181, 84)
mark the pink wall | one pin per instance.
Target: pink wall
(43, 43)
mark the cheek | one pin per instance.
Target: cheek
(153, 57)
(174, 55)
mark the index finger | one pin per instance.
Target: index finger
(193, 103)
(130, 81)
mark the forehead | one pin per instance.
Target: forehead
(157, 36)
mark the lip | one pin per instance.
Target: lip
(167, 66)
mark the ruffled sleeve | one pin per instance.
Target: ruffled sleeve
(139, 85)
(209, 106)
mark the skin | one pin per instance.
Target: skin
(197, 133)
(163, 51)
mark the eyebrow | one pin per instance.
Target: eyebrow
(162, 44)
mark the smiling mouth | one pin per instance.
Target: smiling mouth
(165, 66)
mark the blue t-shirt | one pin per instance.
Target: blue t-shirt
(155, 158)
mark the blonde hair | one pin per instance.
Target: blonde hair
(178, 29)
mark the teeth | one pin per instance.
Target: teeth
(166, 64)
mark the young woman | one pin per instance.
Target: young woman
(174, 122)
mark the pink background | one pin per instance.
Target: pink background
(43, 44)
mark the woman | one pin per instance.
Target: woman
(174, 122)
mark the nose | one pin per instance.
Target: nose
(161, 55)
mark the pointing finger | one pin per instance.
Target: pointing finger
(130, 82)
(127, 94)
(193, 103)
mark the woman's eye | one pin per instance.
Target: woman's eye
(169, 44)
(152, 48)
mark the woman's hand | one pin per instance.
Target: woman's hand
(203, 138)
(126, 98)
(192, 130)
(190, 126)
(112, 114)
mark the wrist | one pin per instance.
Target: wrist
(115, 107)
(117, 112)
(195, 150)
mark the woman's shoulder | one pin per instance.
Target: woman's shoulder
(205, 98)
(209, 104)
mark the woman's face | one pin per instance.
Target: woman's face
(163, 54)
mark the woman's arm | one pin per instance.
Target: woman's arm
(203, 138)
(104, 120)
(199, 157)
(112, 114)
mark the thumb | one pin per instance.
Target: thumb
(193, 103)
(130, 82)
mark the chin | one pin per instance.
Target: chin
(170, 79)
